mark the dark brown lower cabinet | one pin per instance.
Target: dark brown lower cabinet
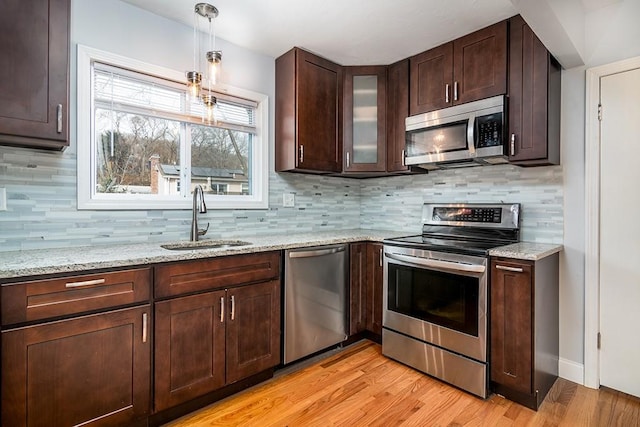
(374, 288)
(189, 348)
(87, 370)
(206, 341)
(365, 306)
(524, 328)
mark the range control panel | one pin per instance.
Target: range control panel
(459, 214)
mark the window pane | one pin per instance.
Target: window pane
(136, 154)
(220, 159)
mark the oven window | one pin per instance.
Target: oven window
(444, 299)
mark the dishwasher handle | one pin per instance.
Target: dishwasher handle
(318, 252)
(438, 263)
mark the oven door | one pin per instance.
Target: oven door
(439, 298)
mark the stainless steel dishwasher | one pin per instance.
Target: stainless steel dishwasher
(315, 299)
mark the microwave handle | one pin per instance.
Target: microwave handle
(471, 124)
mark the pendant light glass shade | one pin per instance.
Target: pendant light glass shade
(209, 102)
(214, 59)
(194, 81)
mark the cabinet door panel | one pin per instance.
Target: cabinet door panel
(534, 98)
(374, 288)
(36, 81)
(365, 93)
(357, 288)
(480, 64)
(319, 97)
(189, 348)
(93, 369)
(512, 325)
(397, 112)
(253, 329)
(430, 73)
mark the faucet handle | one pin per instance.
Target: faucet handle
(203, 232)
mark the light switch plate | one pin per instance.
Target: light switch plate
(288, 200)
(3, 199)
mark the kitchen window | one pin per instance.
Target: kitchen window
(144, 144)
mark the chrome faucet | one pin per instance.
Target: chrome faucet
(198, 206)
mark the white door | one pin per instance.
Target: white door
(620, 232)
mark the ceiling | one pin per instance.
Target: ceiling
(349, 32)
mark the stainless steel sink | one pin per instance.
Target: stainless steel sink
(205, 244)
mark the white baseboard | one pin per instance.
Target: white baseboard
(570, 370)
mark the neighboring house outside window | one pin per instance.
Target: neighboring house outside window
(143, 143)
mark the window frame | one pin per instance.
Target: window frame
(88, 199)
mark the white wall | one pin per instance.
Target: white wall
(612, 33)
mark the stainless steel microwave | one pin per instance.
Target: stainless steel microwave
(464, 135)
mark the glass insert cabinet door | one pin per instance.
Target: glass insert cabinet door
(365, 123)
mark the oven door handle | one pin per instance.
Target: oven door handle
(437, 263)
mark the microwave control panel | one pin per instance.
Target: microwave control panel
(489, 130)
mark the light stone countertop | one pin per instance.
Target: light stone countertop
(526, 250)
(68, 260)
(61, 260)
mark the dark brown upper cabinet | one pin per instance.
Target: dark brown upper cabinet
(467, 69)
(534, 99)
(308, 113)
(397, 113)
(365, 97)
(34, 78)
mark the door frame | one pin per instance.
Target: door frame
(592, 215)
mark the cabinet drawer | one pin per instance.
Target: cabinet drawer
(216, 273)
(41, 299)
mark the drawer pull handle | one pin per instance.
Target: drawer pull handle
(221, 309)
(85, 283)
(145, 324)
(513, 269)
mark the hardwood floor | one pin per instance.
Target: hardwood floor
(360, 387)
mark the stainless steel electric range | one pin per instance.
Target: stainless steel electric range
(435, 291)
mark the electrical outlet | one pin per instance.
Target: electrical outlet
(288, 200)
(3, 199)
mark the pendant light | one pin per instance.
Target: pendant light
(214, 59)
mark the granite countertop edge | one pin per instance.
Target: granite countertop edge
(42, 262)
(531, 251)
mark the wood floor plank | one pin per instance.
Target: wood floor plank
(360, 387)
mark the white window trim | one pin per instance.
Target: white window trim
(87, 200)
